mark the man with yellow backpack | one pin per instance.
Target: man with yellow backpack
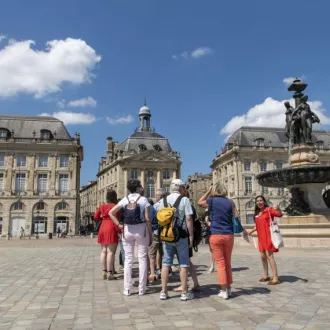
(175, 227)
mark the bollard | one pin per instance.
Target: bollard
(7, 237)
(91, 235)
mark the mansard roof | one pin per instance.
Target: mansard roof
(247, 136)
(150, 140)
(25, 126)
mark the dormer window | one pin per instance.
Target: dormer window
(45, 134)
(158, 148)
(259, 142)
(4, 133)
(142, 147)
(319, 144)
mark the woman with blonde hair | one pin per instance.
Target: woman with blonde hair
(221, 213)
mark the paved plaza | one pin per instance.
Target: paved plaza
(56, 284)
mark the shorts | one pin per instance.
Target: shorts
(181, 247)
(154, 247)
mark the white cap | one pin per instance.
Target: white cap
(175, 185)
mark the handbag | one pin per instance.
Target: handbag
(275, 233)
(237, 226)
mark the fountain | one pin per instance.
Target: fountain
(305, 177)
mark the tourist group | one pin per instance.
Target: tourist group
(170, 227)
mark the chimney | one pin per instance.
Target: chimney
(109, 144)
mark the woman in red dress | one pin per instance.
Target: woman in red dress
(262, 216)
(107, 235)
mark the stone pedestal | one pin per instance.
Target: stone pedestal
(303, 155)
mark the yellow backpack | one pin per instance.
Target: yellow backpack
(168, 216)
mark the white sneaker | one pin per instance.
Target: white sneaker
(211, 270)
(163, 296)
(126, 292)
(223, 294)
(187, 296)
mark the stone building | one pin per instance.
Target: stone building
(196, 185)
(88, 202)
(145, 155)
(39, 175)
(251, 150)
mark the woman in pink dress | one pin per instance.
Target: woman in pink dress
(262, 216)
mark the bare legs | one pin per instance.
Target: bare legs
(103, 257)
(264, 265)
(268, 256)
(272, 262)
(111, 250)
(107, 260)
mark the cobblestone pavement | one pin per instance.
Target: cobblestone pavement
(56, 284)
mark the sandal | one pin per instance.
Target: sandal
(152, 278)
(272, 282)
(264, 279)
(111, 276)
(196, 288)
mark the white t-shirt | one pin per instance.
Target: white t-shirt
(157, 206)
(143, 202)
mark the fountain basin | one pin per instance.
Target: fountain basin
(292, 176)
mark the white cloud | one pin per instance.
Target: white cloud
(120, 120)
(194, 54)
(270, 113)
(38, 72)
(83, 103)
(200, 52)
(72, 118)
(289, 80)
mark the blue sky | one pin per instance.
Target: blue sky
(205, 67)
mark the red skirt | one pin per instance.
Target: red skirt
(108, 233)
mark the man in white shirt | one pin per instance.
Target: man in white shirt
(181, 246)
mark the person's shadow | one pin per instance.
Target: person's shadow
(239, 269)
(291, 279)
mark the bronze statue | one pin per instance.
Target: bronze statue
(299, 121)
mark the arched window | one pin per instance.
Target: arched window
(4, 133)
(45, 134)
(62, 206)
(158, 148)
(319, 144)
(250, 204)
(259, 142)
(142, 147)
(40, 206)
(17, 206)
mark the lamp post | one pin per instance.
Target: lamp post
(37, 230)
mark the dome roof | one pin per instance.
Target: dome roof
(144, 111)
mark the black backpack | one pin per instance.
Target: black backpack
(132, 213)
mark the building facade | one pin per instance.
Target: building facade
(39, 176)
(88, 202)
(251, 150)
(196, 185)
(145, 155)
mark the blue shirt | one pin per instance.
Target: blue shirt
(221, 215)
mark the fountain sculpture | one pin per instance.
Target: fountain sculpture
(305, 177)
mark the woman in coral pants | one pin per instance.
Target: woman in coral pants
(221, 211)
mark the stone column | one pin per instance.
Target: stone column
(174, 174)
(125, 181)
(158, 182)
(142, 177)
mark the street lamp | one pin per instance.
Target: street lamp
(37, 230)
